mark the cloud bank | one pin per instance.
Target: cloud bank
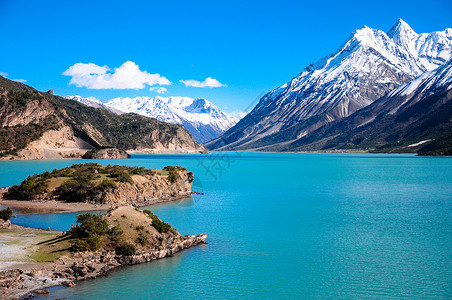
(208, 82)
(127, 76)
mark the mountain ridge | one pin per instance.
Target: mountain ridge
(200, 117)
(37, 125)
(367, 66)
(416, 117)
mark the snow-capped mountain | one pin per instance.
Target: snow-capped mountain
(200, 117)
(367, 66)
(94, 102)
(416, 117)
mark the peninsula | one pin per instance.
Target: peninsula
(96, 245)
(91, 186)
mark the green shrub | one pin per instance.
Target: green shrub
(191, 176)
(121, 176)
(6, 214)
(158, 224)
(115, 231)
(142, 239)
(93, 242)
(89, 225)
(107, 184)
(79, 245)
(126, 249)
(29, 188)
(172, 177)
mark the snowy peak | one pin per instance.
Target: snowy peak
(200, 117)
(401, 31)
(367, 66)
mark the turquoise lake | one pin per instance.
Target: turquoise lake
(288, 226)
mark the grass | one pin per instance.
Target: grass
(54, 183)
(51, 249)
(162, 172)
(357, 150)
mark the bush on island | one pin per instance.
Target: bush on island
(6, 214)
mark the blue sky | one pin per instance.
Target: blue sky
(248, 48)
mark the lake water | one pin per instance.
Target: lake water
(288, 226)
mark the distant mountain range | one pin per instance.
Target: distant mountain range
(200, 117)
(416, 117)
(366, 67)
(37, 125)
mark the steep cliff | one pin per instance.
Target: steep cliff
(37, 125)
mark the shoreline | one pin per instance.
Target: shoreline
(27, 269)
(54, 206)
(132, 152)
(70, 269)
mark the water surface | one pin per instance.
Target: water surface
(289, 226)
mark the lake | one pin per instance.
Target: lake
(287, 226)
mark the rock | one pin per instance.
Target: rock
(43, 292)
(106, 153)
(5, 224)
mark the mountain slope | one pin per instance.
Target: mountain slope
(368, 65)
(36, 125)
(93, 102)
(416, 117)
(200, 117)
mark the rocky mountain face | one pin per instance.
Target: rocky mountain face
(106, 153)
(200, 117)
(367, 66)
(416, 117)
(37, 125)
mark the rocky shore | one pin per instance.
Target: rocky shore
(69, 269)
(130, 236)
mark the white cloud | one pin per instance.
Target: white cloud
(237, 115)
(208, 82)
(159, 90)
(127, 76)
(4, 74)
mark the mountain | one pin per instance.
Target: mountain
(416, 117)
(36, 125)
(93, 102)
(200, 117)
(367, 66)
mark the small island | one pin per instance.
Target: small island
(91, 186)
(106, 153)
(96, 245)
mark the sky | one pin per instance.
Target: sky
(228, 52)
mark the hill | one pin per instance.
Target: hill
(97, 184)
(37, 125)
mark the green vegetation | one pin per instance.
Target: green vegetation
(80, 182)
(88, 232)
(142, 239)
(96, 126)
(172, 173)
(158, 224)
(15, 138)
(6, 214)
(126, 249)
(30, 187)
